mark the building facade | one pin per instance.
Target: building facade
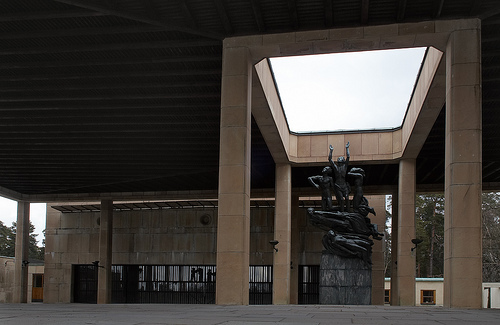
(429, 292)
(35, 280)
(165, 252)
(451, 75)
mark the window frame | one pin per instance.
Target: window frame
(424, 293)
(387, 296)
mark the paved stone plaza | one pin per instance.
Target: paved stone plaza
(41, 314)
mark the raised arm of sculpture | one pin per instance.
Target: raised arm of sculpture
(330, 155)
(347, 152)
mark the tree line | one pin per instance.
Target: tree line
(429, 227)
(8, 242)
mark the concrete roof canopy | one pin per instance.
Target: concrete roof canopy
(123, 99)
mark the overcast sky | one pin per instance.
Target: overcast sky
(8, 215)
(346, 91)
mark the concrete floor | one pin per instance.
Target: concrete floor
(40, 314)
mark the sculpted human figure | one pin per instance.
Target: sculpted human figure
(350, 231)
(324, 183)
(348, 246)
(357, 175)
(341, 187)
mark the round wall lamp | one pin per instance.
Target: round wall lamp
(205, 219)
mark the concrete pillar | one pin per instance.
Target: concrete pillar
(463, 177)
(233, 228)
(406, 232)
(378, 267)
(22, 252)
(282, 233)
(295, 247)
(105, 253)
(394, 250)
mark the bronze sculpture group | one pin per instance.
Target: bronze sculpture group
(348, 228)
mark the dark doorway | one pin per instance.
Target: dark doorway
(85, 284)
(308, 284)
(261, 285)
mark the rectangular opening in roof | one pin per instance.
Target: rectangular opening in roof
(352, 91)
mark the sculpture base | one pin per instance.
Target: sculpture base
(344, 281)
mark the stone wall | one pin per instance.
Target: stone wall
(6, 279)
(167, 236)
(7, 273)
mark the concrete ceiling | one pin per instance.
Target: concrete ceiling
(124, 96)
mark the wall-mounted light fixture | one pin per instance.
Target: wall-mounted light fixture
(25, 263)
(205, 219)
(415, 242)
(96, 264)
(274, 242)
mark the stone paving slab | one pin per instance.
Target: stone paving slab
(69, 314)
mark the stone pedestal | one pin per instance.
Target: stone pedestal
(344, 281)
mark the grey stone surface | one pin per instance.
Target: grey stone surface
(344, 281)
(71, 314)
(330, 261)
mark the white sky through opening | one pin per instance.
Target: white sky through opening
(8, 215)
(347, 91)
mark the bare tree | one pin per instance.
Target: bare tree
(491, 237)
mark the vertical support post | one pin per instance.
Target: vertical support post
(406, 232)
(105, 253)
(22, 252)
(394, 250)
(233, 228)
(378, 275)
(463, 174)
(282, 233)
(295, 247)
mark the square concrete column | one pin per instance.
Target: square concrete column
(463, 175)
(22, 252)
(377, 202)
(105, 253)
(295, 247)
(406, 232)
(233, 227)
(283, 234)
(394, 250)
